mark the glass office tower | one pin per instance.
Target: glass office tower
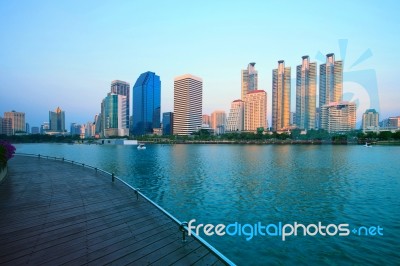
(146, 104)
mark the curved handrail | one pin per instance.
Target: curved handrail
(137, 192)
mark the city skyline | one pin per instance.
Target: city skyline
(75, 57)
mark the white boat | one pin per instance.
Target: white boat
(367, 145)
(141, 146)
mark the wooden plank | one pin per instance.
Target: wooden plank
(56, 213)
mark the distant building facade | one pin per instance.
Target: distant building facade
(205, 121)
(114, 116)
(35, 130)
(168, 123)
(17, 119)
(75, 129)
(218, 122)
(330, 82)
(120, 87)
(236, 116)
(6, 126)
(44, 127)
(370, 120)
(281, 85)
(146, 100)
(249, 79)
(255, 110)
(338, 117)
(57, 121)
(306, 83)
(391, 123)
(188, 104)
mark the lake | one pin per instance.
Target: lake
(274, 185)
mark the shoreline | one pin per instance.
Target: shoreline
(276, 142)
(249, 142)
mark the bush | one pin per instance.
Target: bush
(6, 152)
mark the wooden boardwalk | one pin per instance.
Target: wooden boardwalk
(54, 213)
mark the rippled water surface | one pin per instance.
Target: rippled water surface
(268, 184)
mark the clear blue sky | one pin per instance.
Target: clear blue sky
(66, 53)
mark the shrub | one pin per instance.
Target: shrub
(6, 152)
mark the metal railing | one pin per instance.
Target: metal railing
(183, 226)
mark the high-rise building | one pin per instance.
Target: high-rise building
(330, 81)
(17, 121)
(205, 121)
(306, 83)
(281, 97)
(122, 88)
(255, 110)
(218, 121)
(57, 120)
(236, 116)
(392, 123)
(338, 116)
(114, 116)
(6, 126)
(188, 104)
(97, 123)
(292, 119)
(75, 129)
(90, 128)
(317, 118)
(167, 123)
(146, 104)
(44, 127)
(35, 130)
(370, 120)
(249, 79)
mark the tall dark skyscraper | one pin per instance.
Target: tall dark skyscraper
(146, 104)
(122, 88)
(168, 123)
(306, 82)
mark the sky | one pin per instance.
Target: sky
(66, 53)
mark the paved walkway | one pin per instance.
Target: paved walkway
(54, 213)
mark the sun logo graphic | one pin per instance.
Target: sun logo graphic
(359, 86)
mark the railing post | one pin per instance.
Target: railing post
(183, 230)
(112, 177)
(137, 194)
